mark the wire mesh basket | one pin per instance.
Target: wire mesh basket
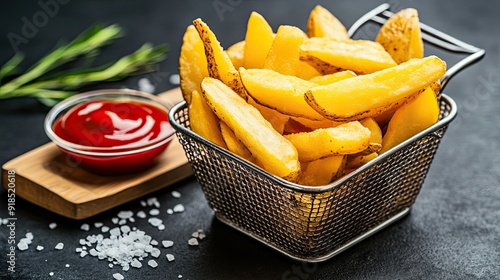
(316, 223)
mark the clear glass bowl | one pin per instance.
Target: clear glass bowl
(109, 160)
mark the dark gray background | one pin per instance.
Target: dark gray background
(453, 231)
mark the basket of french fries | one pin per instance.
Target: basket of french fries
(312, 141)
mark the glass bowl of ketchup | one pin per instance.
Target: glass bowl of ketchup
(111, 132)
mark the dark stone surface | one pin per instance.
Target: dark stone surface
(453, 231)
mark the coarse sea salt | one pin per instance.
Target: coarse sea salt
(155, 221)
(167, 243)
(154, 212)
(170, 257)
(85, 227)
(52, 225)
(178, 208)
(152, 263)
(39, 248)
(193, 242)
(141, 214)
(59, 246)
(175, 194)
(125, 214)
(118, 276)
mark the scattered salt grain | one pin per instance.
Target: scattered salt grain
(85, 227)
(179, 208)
(51, 274)
(67, 265)
(155, 221)
(161, 227)
(170, 211)
(105, 229)
(201, 236)
(115, 231)
(5, 221)
(193, 242)
(59, 246)
(118, 276)
(22, 245)
(131, 219)
(78, 250)
(153, 242)
(125, 214)
(195, 234)
(143, 203)
(135, 263)
(154, 212)
(176, 194)
(115, 220)
(155, 253)
(167, 243)
(174, 79)
(110, 265)
(141, 214)
(52, 225)
(83, 254)
(125, 229)
(39, 248)
(122, 222)
(180, 276)
(98, 224)
(151, 201)
(152, 263)
(170, 257)
(146, 86)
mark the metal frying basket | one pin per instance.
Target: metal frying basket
(316, 223)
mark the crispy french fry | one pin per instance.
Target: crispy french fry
(203, 121)
(192, 63)
(283, 93)
(321, 171)
(274, 152)
(219, 64)
(234, 144)
(236, 54)
(322, 23)
(360, 56)
(368, 95)
(332, 78)
(277, 119)
(283, 57)
(400, 36)
(375, 136)
(348, 138)
(411, 119)
(259, 38)
(354, 162)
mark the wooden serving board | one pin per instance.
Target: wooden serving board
(45, 178)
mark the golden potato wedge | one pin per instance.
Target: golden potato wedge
(219, 64)
(192, 63)
(312, 124)
(276, 119)
(400, 36)
(322, 23)
(411, 118)
(332, 78)
(234, 144)
(283, 57)
(236, 54)
(347, 138)
(354, 162)
(283, 93)
(360, 56)
(368, 95)
(259, 38)
(203, 121)
(375, 136)
(273, 152)
(321, 171)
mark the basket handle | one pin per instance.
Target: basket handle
(432, 36)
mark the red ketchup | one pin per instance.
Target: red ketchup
(114, 126)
